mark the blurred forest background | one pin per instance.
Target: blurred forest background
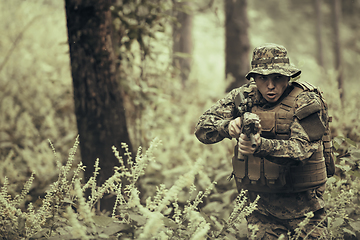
(174, 59)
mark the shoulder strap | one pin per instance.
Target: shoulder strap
(289, 100)
(309, 87)
(306, 86)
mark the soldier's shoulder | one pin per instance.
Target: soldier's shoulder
(247, 89)
(306, 86)
(307, 98)
(309, 94)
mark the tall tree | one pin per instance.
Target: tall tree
(319, 47)
(182, 38)
(98, 101)
(236, 41)
(336, 10)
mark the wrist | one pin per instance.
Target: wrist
(224, 129)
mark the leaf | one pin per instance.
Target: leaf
(167, 211)
(61, 237)
(350, 142)
(349, 231)
(355, 225)
(338, 222)
(141, 220)
(170, 223)
(337, 141)
(103, 235)
(344, 168)
(348, 159)
(354, 173)
(103, 220)
(116, 227)
(67, 200)
(230, 236)
(355, 154)
(331, 180)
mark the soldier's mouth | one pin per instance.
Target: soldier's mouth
(271, 95)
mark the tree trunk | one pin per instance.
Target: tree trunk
(98, 102)
(182, 39)
(320, 57)
(336, 9)
(237, 42)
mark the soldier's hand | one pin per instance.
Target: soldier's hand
(245, 147)
(235, 127)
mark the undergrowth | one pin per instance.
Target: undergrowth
(64, 212)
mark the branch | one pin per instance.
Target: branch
(17, 39)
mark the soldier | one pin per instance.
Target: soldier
(286, 166)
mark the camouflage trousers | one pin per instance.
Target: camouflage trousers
(269, 227)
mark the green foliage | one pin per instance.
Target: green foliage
(64, 208)
(138, 20)
(36, 101)
(347, 155)
(343, 190)
(177, 196)
(138, 27)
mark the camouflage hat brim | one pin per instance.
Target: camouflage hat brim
(288, 71)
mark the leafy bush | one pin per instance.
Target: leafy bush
(64, 211)
(342, 194)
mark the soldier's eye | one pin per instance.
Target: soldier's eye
(277, 78)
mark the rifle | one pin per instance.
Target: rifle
(249, 126)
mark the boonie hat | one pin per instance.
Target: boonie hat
(272, 58)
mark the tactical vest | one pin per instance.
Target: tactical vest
(261, 175)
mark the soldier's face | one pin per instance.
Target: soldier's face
(271, 86)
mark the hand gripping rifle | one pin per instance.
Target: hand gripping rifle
(250, 123)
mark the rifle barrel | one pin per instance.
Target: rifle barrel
(252, 139)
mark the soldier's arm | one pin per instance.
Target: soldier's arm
(303, 140)
(213, 125)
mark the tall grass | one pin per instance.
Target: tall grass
(162, 216)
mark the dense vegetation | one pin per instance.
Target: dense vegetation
(177, 187)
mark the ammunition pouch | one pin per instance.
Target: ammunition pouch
(261, 175)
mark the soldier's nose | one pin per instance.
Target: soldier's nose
(271, 84)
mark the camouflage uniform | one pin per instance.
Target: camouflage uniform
(277, 213)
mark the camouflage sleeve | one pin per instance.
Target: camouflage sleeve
(212, 126)
(299, 147)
